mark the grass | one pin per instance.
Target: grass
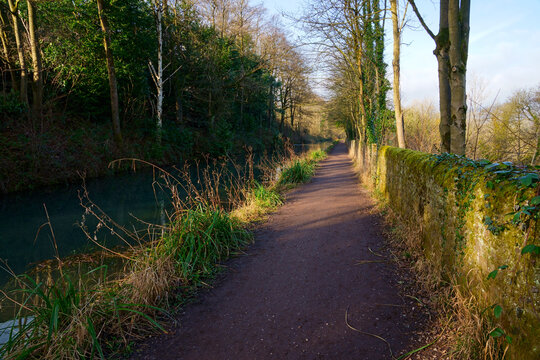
(300, 171)
(466, 335)
(96, 315)
(318, 155)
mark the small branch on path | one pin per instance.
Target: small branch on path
(366, 333)
(361, 262)
(374, 253)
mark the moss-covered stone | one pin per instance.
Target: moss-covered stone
(465, 232)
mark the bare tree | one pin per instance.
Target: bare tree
(478, 115)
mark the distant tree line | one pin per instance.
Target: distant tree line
(350, 36)
(497, 131)
(170, 67)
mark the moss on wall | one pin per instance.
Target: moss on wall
(474, 218)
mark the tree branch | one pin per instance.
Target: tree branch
(415, 9)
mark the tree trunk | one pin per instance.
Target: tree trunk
(443, 62)
(14, 8)
(396, 67)
(5, 48)
(115, 112)
(537, 152)
(458, 19)
(159, 75)
(37, 71)
(271, 100)
(452, 45)
(179, 106)
(363, 117)
(292, 112)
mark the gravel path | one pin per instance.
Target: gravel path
(289, 296)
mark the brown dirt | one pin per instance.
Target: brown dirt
(318, 258)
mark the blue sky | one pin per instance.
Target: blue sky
(504, 48)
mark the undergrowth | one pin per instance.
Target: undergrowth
(93, 314)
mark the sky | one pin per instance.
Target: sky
(504, 47)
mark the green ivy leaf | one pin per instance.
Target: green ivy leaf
(493, 274)
(497, 311)
(535, 200)
(531, 249)
(498, 332)
(490, 185)
(508, 339)
(492, 166)
(528, 179)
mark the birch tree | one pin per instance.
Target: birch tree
(157, 74)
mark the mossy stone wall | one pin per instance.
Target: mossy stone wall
(450, 206)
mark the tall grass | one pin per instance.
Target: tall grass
(300, 171)
(466, 336)
(96, 315)
(198, 239)
(318, 155)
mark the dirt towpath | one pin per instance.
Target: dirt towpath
(314, 261)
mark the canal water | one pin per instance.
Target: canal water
(25, 239)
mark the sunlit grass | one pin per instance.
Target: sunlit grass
(93, 315)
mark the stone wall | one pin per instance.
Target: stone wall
(464, 213)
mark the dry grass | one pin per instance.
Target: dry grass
(99, 315)
(466, 336)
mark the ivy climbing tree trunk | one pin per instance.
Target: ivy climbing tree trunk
(23, 89)
(37, 72)
(115, 111)
(396, 31)
(353, 16)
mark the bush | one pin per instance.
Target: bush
(11, 105)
